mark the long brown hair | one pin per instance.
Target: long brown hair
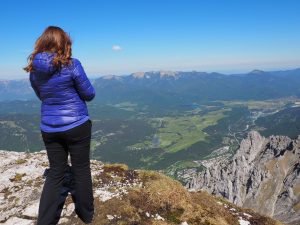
(55, 40)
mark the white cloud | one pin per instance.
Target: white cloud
(116, 48)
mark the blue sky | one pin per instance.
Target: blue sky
(121, 37)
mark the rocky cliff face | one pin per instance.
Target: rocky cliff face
(122, 196)
(264, 175)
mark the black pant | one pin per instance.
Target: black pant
(75, 141)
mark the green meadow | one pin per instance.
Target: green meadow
(178, 133)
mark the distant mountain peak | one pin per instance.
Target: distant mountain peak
(160, 73)
(111, 77)
(257, 72)
(168, 73)
(138, 75)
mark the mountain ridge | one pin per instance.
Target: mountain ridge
(188, 86)
(122, 197)
(264, 175)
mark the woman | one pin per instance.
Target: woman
(60, 82)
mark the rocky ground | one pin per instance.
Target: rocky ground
(122, 196)
(264, 175)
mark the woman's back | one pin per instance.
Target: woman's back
(63, 93)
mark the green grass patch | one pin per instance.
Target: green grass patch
(178, 133)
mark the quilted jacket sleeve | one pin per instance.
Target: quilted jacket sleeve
(83, 85)
(33, 85)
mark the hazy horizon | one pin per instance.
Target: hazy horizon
(95, 76)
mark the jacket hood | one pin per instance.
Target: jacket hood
(42, 63)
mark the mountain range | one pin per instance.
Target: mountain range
(181, 87)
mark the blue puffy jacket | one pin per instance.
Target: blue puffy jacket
(63, 93)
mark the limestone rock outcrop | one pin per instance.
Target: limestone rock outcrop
(123, 196)
(264, 174)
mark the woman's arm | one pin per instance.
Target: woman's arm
(83, 85)
(34, 87)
